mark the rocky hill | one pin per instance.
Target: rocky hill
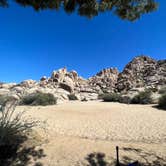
(141, 72)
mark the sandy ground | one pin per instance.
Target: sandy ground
(86, 133)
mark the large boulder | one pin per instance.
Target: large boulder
(28, 83)
(66, 87)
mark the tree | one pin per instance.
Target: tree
(125, 9)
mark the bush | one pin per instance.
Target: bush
(5, 98)
(12, 129)
(72, 97)
(125, 99)
(162, 90)
(153, 89)
(162, 101)
(84, 99)
(142, 98)
(39, 99)
(111, 97)
(100, 96)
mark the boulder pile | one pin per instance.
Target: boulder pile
(142, 72)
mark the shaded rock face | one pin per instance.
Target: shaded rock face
(105, 80)
(144, 72)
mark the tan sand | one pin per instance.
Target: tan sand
(76, 129)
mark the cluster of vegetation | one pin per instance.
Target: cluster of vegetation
(39, 99)
(13, 130)
(162, 99)
(5, 99)
(142, 98)
(162, 90)
(72, 97)
(110, 97)
(114, 97)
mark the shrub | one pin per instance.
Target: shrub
(153, 89)
(39, 99)
(162, 90)
(72, 97)
(12, 129)
(5, 98)
(142, 98)
(84, 99)
(100, 96)
(111, 97)
(162, 101)
(125, 99)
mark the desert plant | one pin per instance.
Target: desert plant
(162, 101)
(39, 99)
(100, 96)
(5, 98)
(142, 98)
(12, 129)
(84, 99)
(125, 99)
(153, 89)
(111, 97)
(72, 97)
(162, 90)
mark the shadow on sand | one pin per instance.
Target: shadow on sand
(159, 108)
(99, 159)
(20, 155)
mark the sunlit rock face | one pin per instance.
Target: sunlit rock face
(105, 80)
(144, 72)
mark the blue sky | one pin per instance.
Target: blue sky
(33, 44)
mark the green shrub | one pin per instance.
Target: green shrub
(72, 97)
(13, 129)
(125, 99)
(162, 101)
(5, 98)
(111, 97)
(162, 90)
(142, 98)
(100, 96)
(39, 99)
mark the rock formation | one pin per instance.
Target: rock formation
(142, 72)
(105, 80)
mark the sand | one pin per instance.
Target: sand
(74, 130)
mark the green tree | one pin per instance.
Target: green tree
(125, 9)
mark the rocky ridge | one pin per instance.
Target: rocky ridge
(142, 72)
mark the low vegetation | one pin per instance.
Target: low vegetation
(110, 97)
(13, 129)
(5, 98)
(125, 99)
(39, 99)
(72, 97)
(162, 90)
(162, 101)
(142, 98)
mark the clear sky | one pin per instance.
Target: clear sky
(33, 44)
